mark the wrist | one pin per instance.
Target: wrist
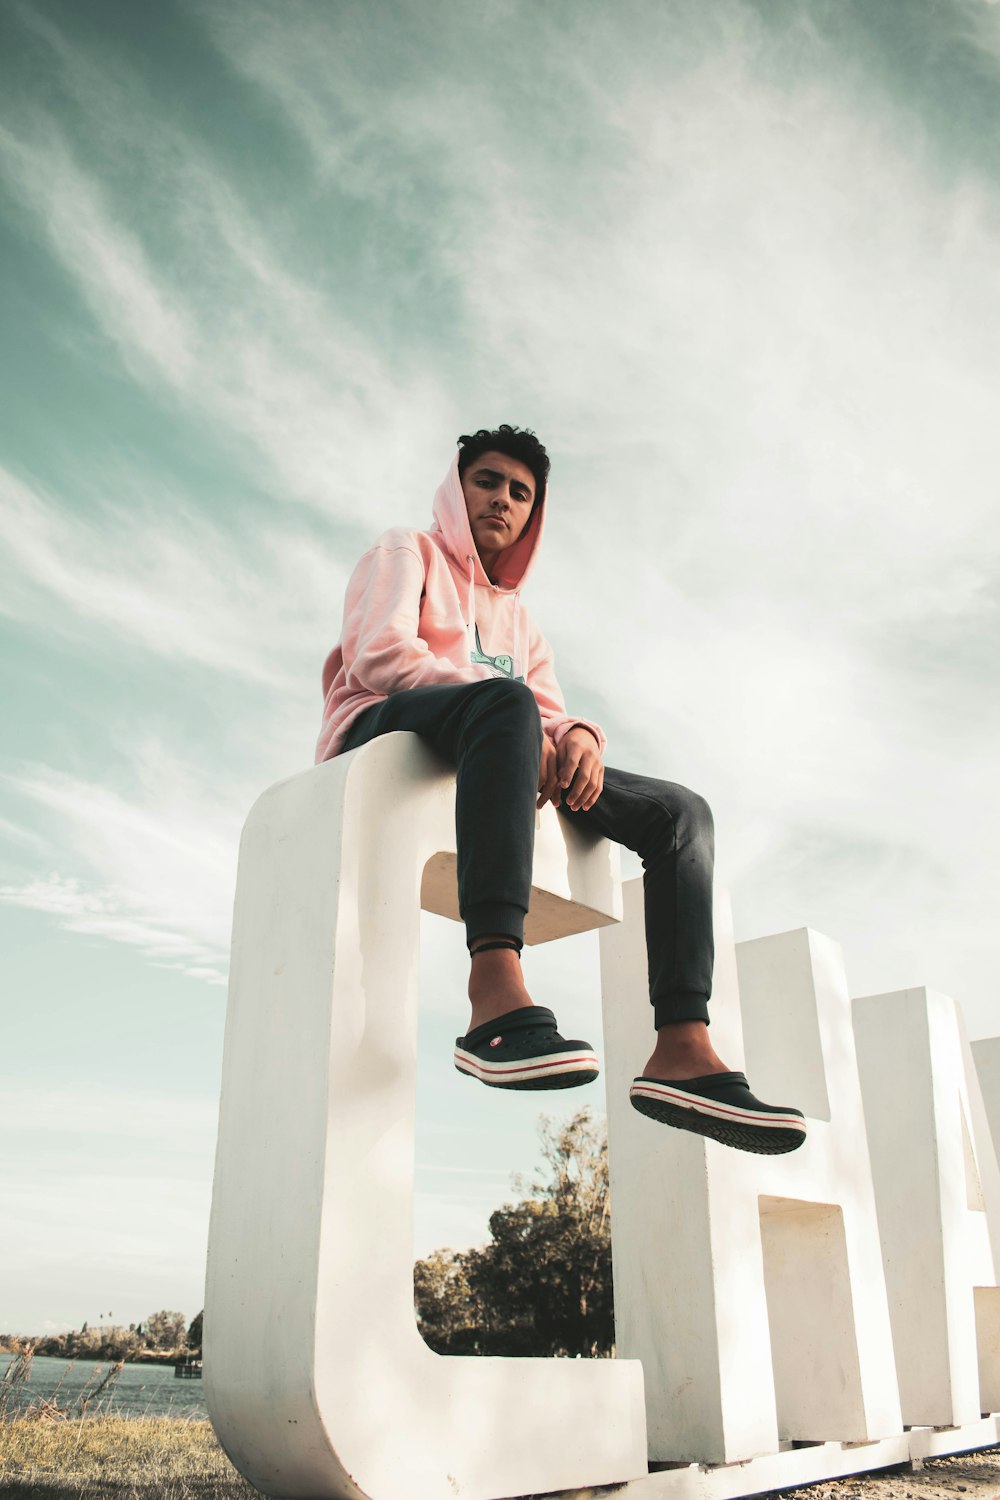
(577, 731)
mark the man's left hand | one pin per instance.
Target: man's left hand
(581, 770)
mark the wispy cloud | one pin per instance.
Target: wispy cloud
(110, 265)
(118, 915)
(215, 320)
(745, 308)
(162, 577)
(158, 866)
(26, 838)
(760, 308)
(982, 26)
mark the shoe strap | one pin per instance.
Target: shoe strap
(707, 1083)
(514, 1020)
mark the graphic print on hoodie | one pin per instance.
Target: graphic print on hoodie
(420, 611)
(503, 666)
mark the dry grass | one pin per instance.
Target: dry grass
(145, 1458)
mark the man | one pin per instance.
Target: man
(436, 641)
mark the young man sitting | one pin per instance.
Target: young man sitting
(437, 641)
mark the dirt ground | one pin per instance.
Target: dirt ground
(976, 1475)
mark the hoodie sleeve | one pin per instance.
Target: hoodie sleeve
(556, 722)
(382, 650)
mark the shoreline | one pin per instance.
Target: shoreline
(150, 1357)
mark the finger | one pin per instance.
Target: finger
(549, 790)
(592, 798)
(569, 764)
(547, 764)
(598, 789)
(580, 790)
(588, 787)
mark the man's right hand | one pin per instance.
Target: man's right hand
(549, 789)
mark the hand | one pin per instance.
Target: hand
(581, 770)
(548, 774)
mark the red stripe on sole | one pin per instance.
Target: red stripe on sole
(559, 1062)
(701, 1106)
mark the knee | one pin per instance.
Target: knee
(510, 697)
(699, 815)
(511, 702)
(687, 812)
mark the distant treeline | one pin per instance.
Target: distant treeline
(162, 1337)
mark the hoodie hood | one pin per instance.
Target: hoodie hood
(453, 534)
(410, 621)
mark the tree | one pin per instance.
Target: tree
(543, 1284)
(165, 1330)
(194, 1332)
(449, 1319)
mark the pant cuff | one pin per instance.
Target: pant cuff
(494, 916)
(682, 1005)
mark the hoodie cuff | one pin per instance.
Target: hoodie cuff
(564, 726)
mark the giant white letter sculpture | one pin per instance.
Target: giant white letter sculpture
(318, 1381)
(935, 1172)
(750, 1289)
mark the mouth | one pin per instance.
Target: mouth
(495, 521)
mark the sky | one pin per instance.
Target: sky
(739, 267)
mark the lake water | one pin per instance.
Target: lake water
(139, 1391)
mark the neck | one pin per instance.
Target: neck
(489, 561)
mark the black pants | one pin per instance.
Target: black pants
(492, 733)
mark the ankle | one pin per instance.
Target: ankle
(495, 942)
(491, 1007)
(496, 984)
(683, 1050)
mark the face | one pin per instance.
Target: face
(499, 494)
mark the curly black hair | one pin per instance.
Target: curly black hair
(517, 442)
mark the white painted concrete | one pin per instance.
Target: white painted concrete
(986, 1055)
(938, 1192)
(750, 1287)
(576, 882)
(317, 1380)
(801, 1466)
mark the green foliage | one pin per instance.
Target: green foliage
(162, 1334)
(449, 1318)
(165, 1330)
(107, 1341)
(543, 1284)
(194, 1332)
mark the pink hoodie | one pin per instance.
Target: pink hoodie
(421, 611)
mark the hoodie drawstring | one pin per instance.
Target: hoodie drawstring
(516, 655)
(518, 658)
(470, 624)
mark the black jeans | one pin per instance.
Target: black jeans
(492, 733)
